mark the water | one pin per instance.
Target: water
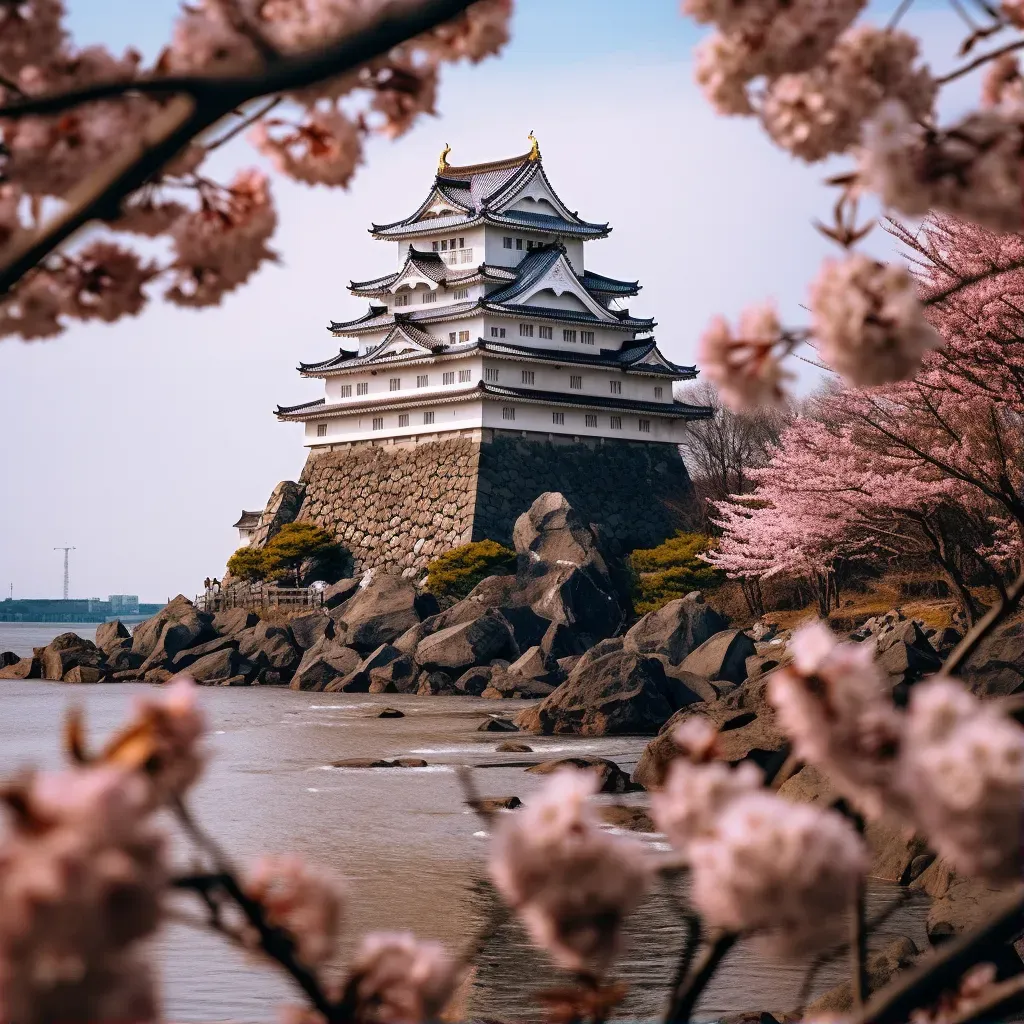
(413, 855)
(21, 637)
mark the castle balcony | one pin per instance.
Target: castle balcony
(457, 257)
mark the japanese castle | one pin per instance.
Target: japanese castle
(491, 322)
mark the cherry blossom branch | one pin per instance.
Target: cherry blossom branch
(1001, 998)
(999, 611)
(246, 122)
(685, 999)
(922, 984)
(978, 62)
(199, 102)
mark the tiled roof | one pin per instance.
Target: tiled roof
(584, 401)
(509, 218)
(383, 318)
(373, 313)
(391, 400)
(622, 359)
(445, 274)
(285, 410)
(532, 268)
(343, 355)
(627, 323)
(247, 520)
(608, 285)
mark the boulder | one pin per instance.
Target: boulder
(582, 599)
(68, 651)
(126, 675)
(707, 691)
(882, 967)
(391, 713)
(761, 664)
(722, 656)
(505, 685)
(377, 613)
(996, 669)
(458, 648)
(529, 628)
(324, 663)
(474, 681)
(620, 692)
(338, 593)
(367, 762)
(8, 658)
(494, 723)
(112, 635)
(185, 658)
(904, 653)
(612, 778)
(83, 674)
(233, 620)
(23, 668)
(676, 629)
(124, 660)
(218, 666)
(390, 671)
(559, 642)
(431, 684)
(239, 681)
(155, 675)
(551, 531)
(269, 646)
(308, 630)
(493, 804)
(534, 664)
(513, 747)
(176, 626)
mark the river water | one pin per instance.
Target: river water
(413, 856)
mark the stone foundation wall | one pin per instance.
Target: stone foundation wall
(399, 506)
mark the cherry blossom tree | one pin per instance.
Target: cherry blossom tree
(91, 137)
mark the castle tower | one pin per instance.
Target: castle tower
(491, 330)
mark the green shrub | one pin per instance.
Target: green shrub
(248, 564)
(455, 573)
(296, 544)
(671, 570)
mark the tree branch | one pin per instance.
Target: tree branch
(199, 102)
(999, 611)
(686, 996)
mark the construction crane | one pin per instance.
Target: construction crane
(65, 550)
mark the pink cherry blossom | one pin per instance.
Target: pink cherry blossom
(325, 149)
(105, 282)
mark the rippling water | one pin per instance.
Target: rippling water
(413, 855)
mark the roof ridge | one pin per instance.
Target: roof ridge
(453, 171)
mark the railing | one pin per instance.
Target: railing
(453, 256)
(257, 596)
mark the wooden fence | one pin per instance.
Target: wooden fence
(259, 596)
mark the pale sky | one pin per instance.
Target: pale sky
(140, 442)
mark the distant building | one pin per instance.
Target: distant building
(124, 604)
(246, 526)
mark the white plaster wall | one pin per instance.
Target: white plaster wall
(539, 419)
(603, 338)
(359, 426)
(474, 238)
(595, 381)
(380, 381)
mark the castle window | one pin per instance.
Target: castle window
(462, 243)
(528, 376)
(616, 386)
(491, 374)
(444, 245)
(591, 419)
(321, 430)
(576, 382)
(363, 389)
(378, 422)
(346, 390)
(544, 332)
(497, 332)
(403, 419)
(437, 245)
(615, 422)
(519, 243)
(644, 426)
(586, 337)
(508, 413)
(395, 384)
(526, 330)
(463, 335)
(461, 293)
(507, 242)
(658, 392)
(451, 338)
(430, 296)
(558, 418)
(428, 417)
(422, 380)
(568, 335)
(465, 376)
(449, 377)
(466, 256)
(402, 299)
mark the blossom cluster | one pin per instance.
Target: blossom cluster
(950, 764)
(219, 232)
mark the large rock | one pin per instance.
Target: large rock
(183, 659)
(24, 668)
(612, 778)
(620, 692)
(551, 531)
(385, 670)
(905, 654)
(996, 669)
(174, 628)
(722, 656)
(534, 664)
(112, 635)
(220, 666)
(323, 664)
(458, 648)
(474, 681)
(432, 684)
(233, 620)
(505, 685)
(675, 630)
(123, 659)
(378, 613)
(308, 630)
(582, 599)
(338, 593)
(270, 647)
(69, 651)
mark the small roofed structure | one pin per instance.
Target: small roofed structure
(246, 526)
